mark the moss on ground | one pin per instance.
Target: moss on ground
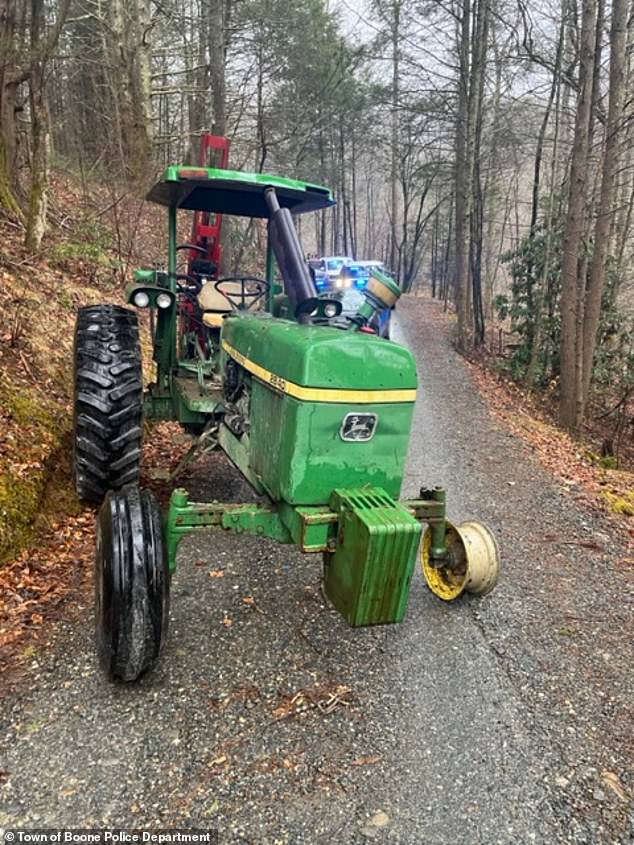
(80, 263)
(19, 503)
(34, 430)
(621, 502)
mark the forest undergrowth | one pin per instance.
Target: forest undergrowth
(579, 463)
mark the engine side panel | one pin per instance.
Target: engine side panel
(298, 454)
(327, 408)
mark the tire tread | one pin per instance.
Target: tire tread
(108, 408)
(132, 583)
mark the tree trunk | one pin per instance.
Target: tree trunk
(40, 139)
(542, 282)
(594, 292)
(121, 83)
(462, 183)
(130, 51)
(261, 148)
(395, 35)
(344, 192)
(142, 65)
(217, 61)
(549, 225)
(492, 186)
(8, 145)
(41, 50)
(10, 78)
(218, 36)
(354, 243)
(575, 220)
(476, 93)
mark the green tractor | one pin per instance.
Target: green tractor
(312, 406)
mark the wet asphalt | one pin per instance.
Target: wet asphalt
(496, 721)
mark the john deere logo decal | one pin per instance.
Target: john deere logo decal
(357, 428)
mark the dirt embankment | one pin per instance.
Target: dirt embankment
(91, 244)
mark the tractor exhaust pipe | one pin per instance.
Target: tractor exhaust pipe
(288, 253)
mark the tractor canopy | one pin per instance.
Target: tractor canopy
(234, 192)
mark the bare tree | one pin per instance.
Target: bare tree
(605, 215)
(572, 283)
(472, 51)
(130, 55)
(14, 70)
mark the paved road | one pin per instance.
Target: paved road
(504, 720)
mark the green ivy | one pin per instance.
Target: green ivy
(614, 354)
(526, 266)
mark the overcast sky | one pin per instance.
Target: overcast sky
(354, 17)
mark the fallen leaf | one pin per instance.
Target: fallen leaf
(379, 819)
(612, 780)
(367, 761)
(159, 474)
(217, 573)
(218, 761)
(226, 621)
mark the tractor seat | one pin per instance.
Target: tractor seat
(211, 299)
(215, 306)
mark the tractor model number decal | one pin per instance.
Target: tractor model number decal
(277, 382)
(358, 428)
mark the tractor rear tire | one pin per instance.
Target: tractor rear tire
(108, 401)
(132, 582)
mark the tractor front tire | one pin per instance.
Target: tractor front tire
(132, 582)
(108, 401)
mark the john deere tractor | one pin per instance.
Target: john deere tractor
(310, 405)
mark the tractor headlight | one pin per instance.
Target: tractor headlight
(330, 310)
(141, 299)
(163, 300)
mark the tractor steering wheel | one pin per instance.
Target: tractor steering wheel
(193, 248)
(248, 298)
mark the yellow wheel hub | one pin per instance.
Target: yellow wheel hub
(474, 557)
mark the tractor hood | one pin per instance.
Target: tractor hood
(277, 350)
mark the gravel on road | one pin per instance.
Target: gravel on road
(496, 721)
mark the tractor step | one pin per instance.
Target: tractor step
(190, 396)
